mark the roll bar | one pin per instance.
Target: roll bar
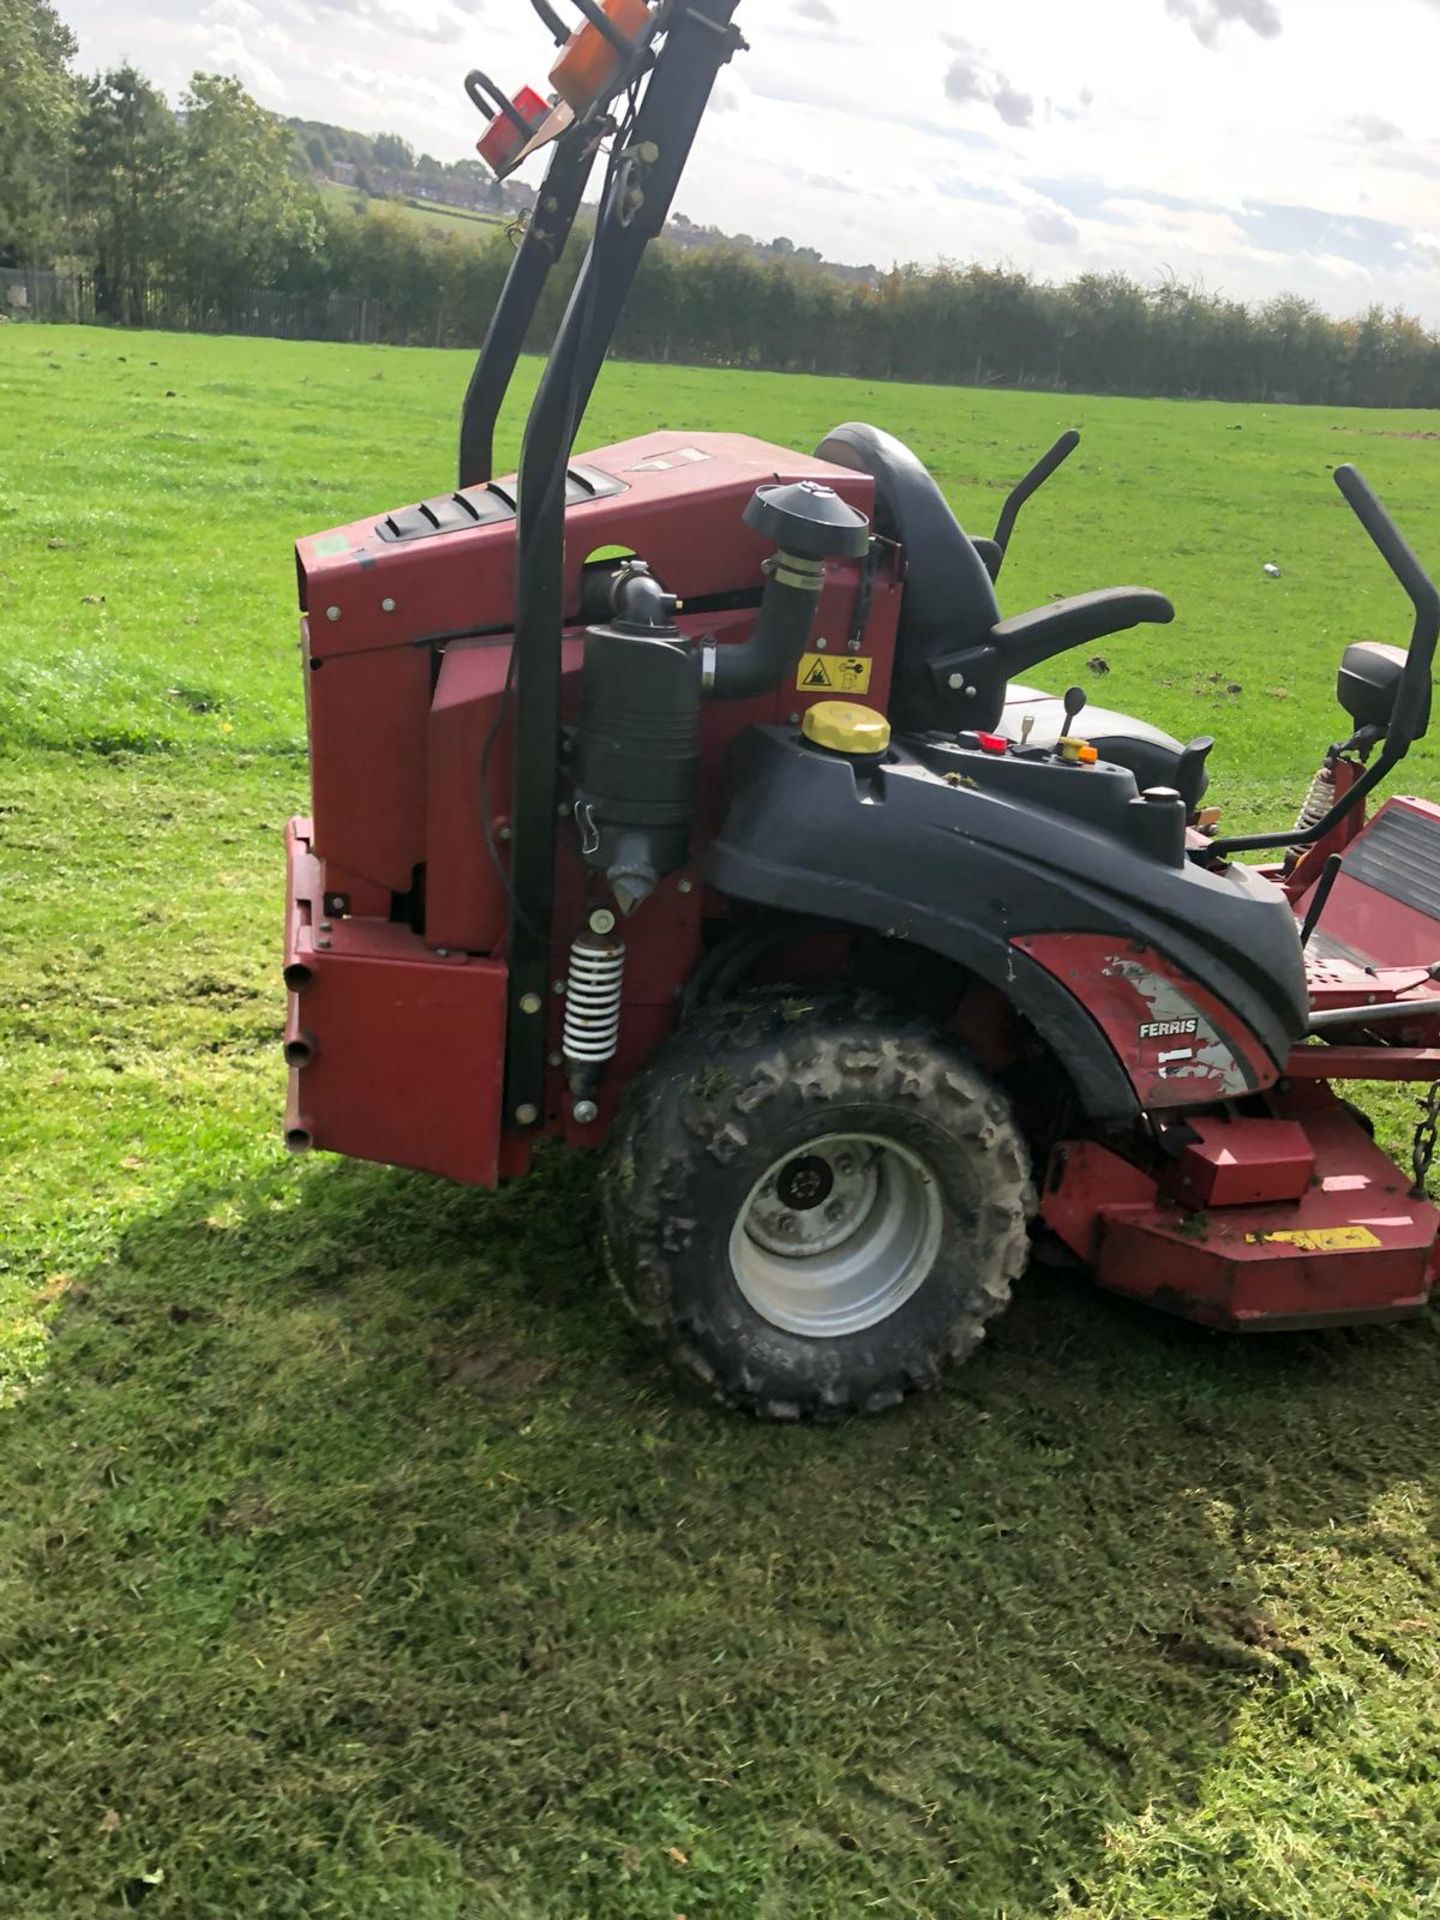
(642, 177)
(545, 239)
(543, 243)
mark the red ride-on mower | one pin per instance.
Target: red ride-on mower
(681, 801)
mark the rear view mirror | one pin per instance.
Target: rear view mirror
(1368, 681)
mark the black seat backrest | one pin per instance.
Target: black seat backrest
(949, 603)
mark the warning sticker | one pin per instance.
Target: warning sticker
(1320, 1239)
(848, 673)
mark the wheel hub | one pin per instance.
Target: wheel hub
(814, 1201)
(835, 1238)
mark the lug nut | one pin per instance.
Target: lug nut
(584, 1111)
(529, 1003)
(526, 1115)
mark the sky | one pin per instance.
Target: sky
(1249, 146)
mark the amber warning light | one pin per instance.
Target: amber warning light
(588, 64)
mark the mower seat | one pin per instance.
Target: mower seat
(954, 654)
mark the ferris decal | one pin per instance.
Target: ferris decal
(1168, 1029)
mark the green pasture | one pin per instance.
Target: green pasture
(357, 1560)
(435, 217)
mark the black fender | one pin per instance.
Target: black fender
(899, 850)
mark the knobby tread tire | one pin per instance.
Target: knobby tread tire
(737, 1086)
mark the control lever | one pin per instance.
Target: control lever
(992, 552)
(1069, 746)
(1190, 773)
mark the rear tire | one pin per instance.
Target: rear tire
(814, 1203)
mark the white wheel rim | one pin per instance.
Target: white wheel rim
(837, 1234)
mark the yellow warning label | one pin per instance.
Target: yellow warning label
(1320, 1239)
(846, 673)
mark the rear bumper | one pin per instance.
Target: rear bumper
(395, 1053)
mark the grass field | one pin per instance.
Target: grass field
(355, 1558)
(436, 219)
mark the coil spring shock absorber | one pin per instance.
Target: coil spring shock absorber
(1318, 802)
(592, 1010)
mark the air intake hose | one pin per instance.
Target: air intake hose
(809, 524)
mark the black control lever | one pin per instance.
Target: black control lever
(1190, 772)
(992, 552)
(1074, 702)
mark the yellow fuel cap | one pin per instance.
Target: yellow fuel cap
(844, 727)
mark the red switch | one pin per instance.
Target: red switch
(992, 743)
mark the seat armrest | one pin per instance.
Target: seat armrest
(1029, 638)
(991, 552)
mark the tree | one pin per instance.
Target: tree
(127, 152)
(244, 219)
(393, 152)
(37, 108)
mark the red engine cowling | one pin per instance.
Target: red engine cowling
(406, 631)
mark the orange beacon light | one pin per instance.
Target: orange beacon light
(587, 64)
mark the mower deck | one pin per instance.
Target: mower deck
(1354, 1245)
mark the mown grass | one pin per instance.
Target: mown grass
(356, 1560)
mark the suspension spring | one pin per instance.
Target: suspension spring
(592, 1006)
(1318, 802)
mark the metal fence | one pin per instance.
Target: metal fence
(39, 295)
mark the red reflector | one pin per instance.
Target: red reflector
(502, 139)
(992, 743)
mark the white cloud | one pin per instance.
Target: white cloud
(1116, 137)
(1015, 108)
(971, 76)
(1206, 18)
(1051, 227)
(1373, 127)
